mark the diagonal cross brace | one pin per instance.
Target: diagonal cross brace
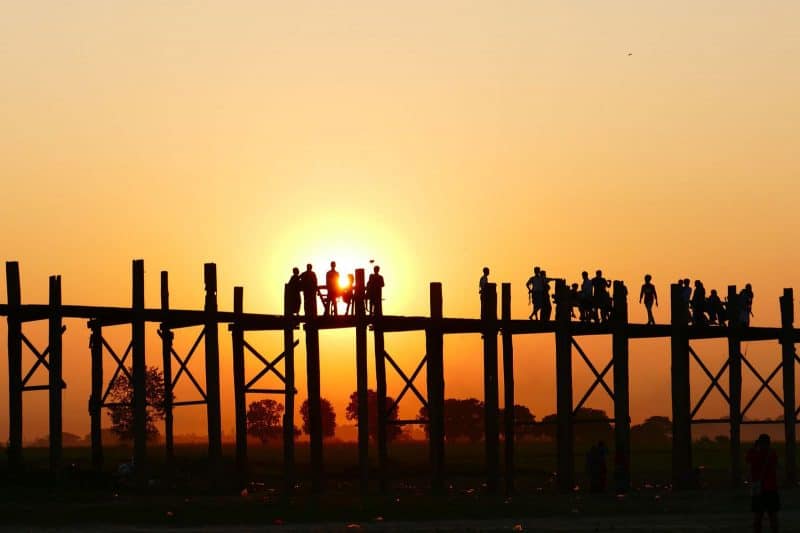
(269, 366)
(764, 384)
(598, 376)
(714, 381)
(41, 359)
(120, 367)
(407, 386)
(184, 364)
(409, 381)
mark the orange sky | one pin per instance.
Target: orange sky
(635, 137)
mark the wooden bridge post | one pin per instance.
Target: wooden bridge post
(735, 385)
(622, 419)
(166, 361)
(361, 381)
(508, 386)
(380, 392)
(96, 397)
(681, 399)
(288, 401)
(564, 434)
(14, 366)
(788, 353)
(314, 396)
(239, 395)
(55, 374)
(139, 372)
(490, 386)
(212, 366)
(435, 347)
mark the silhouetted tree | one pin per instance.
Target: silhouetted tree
(393, 431)
(592, 425)
(522, 415)
(121, 398)
(328, 418)
(655, 430)
(463, 419)
(265, 420)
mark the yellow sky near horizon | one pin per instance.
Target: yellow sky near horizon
(435, 138)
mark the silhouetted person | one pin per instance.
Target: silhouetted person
(348, 293)
(308, 282)
(586, 297)
(602, 302)
(574, 300)
(482, 283)
(686, 296)
(715, 308)
(332, 286)
(374, 286)
(745, 305)
(547, 307)
(648, 293)
(763, 475)
(699, 304)
(293, 290)
(534, 286)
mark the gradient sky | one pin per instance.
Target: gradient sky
(436, 138)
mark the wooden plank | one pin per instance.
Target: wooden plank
(681, 406)
(622, 419)
(214, 416)
(139, 372)
(490, 386)
(55, 375)
(564, 432)
(734, 387)
(435, 377)
(166, 360)
(789, 400)
(508, 387)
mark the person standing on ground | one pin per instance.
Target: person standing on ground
(763, 475)
(332, 286)
(648, 293)
(293, 289)
(374, 286)
(308, 282)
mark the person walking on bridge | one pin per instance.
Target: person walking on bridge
(648, 293)
(332, 287)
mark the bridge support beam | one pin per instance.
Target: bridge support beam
(289, 397)
(565, 439)
(622, 420)
(490, 386)
(96, 397)
(435, 348)
(788, 359)
(681, 399)
(166, 361)
(55, 375)
(214, 416)
(239, 398)
(735, 385)
(361, 381)
(14, 366)
(508, 387)
(139, 373)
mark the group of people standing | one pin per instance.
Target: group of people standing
(590, 297)
(703, 310)
(307, 285)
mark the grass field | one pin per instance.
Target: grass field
(189, 498)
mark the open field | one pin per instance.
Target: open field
(188, 499)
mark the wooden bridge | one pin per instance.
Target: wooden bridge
(432, 396)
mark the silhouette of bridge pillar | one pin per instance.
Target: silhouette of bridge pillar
(681, 399)
(490, 385)
(361, 380)
(289, 397)
(139, 372)
(789, 413)
(508, 386)
(239, 398)
(214, 417)
(55, 374)
(96, 396)
(314, 397)
(14, 366)
(380, 388)
(435, 348)
(734, 385)
(622, 420)
(166, 361)
(564, 433)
